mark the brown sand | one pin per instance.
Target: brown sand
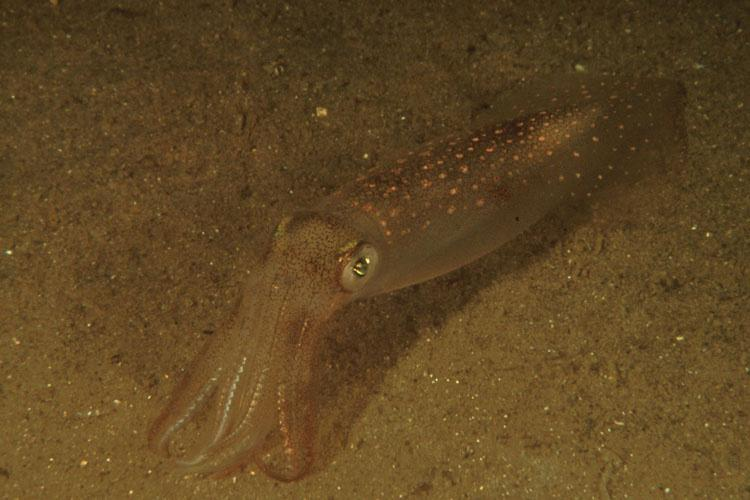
(148, 148)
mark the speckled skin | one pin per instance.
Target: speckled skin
(454, 200)
(429, 212)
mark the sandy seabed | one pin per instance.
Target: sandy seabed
(147, 149)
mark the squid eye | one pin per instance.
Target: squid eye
(361, 267)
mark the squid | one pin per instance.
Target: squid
(430, 211)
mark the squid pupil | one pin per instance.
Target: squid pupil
(360, 267)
